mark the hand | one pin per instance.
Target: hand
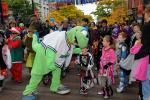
(138, 42)
(106, 66)
(37, 34)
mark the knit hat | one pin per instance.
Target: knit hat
(78, 34)
(21, 25)
(14, 30)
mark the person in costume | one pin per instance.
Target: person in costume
(106, 71)
(122, 53)
(52, 53)
(15, 46)
(5, 59)
(86, 74)
(29, 54)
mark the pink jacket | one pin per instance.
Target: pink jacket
(107, 56)
(140, 71)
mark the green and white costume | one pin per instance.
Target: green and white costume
(51, 54)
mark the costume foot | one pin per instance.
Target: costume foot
(32, 96)
(62, 90)
(29, 97)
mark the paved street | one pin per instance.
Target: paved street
(12, 90)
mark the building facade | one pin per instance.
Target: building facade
(41, 8)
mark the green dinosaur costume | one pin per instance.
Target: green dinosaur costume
(52, 53)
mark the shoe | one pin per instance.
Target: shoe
(82, 92)
(78, 74)
(29, 97)
(120, 89)
(106, 97)
(62, 90)
(100, 93)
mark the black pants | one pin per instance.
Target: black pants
(1, 83)
(140, 90)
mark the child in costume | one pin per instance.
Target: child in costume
(15, 45)
(55, 49)
(5, 59)
(122, 53)
(86, 74)
(106, 71)
(30, 54)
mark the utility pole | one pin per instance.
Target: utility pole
(1, 13)
(33, 6)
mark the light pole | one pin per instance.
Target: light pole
(1, 13)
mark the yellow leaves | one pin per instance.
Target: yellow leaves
(68, 11)
(55, 14)
(117, 16)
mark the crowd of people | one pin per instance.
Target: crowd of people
(119, 48)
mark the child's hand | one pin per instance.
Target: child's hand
(106, 66)
(138, 42)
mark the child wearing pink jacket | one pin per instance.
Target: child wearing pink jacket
(140, 70)
(106, 70)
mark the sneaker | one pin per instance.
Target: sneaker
(83, 92)
(106, 97)
(31, 96)
(100, 93)
(62, 90)
(78, 74)
(120, 89)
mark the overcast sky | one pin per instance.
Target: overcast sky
(88, 9)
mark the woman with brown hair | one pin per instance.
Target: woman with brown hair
(145, 51)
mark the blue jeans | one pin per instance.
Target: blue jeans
(146, 86)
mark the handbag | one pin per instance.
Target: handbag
(127, 64)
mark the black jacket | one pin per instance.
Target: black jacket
(145, 50)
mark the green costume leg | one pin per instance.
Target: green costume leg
(55, 79)
(33, 84)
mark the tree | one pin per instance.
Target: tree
(117, 15)
(105, 7)
(70, 11)
(22, 8)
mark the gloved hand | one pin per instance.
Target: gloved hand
(107, 65)
(37, 35)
